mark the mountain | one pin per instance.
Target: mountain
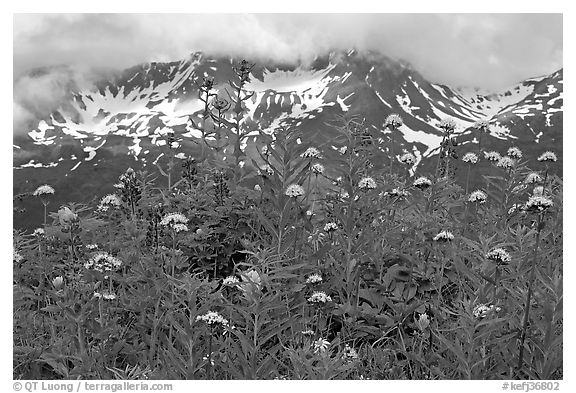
(123, 120)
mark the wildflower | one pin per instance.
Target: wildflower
(477, 196)
(448, 125)
(343, 150)
(318, 169)
(180, 228)
(397, 193)
(330, 227)
(393, 121)
(482, 310)
(16, 257)
(58, 282)
(172, 219)
(505, 162)
(230, 280)
(294, 191)
(481, 124)
(39, 232)
(499, 255)
(307, 332)
(66, 216)
(311, 152)
(350, 353)
(514, 152)
(265, 151)
(533, 178)
(407, 158)
(321, 345)
(110, 200)
(313, 279)
(43, 190)
(267, 169)
(212, 318)
(91, 246)
(319, 297)
(470, 158)
(444, 236)
(257, 188)
(548, 156)
(344, 195)
(422, 183)
(538, 190)
(309, 213)
(538, 203)
(103, 262)
(105, 295)
(492, 156)
(367, 183)
(422, 322)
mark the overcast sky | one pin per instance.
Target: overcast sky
(485, 50)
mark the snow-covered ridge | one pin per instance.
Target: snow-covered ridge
(155, 99)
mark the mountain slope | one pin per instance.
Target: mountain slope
(124, 120)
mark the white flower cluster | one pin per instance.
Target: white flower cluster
(407, 158)
(318, 169)
(538, 190)
(548, 156)
(444, 236)
(173, 218)
(330, 227)
(266, 169)
(538, 203)
(470, 158)
(505, 163)
(103, 262)
(422, 322)
(499, 255)
(294, 191)
(39, 232)
(105, 295)
(212, 318)
(492, 156)
(311, 152)
(514, 152)
(307, 332)
(350, 353)
(16, 257)
(533, 178)
(397, 193)
(367, 183)
(319, 297)
(313, 279)
(481, 310)
(230, 280)
(393, 121)
(110, 200)
(91, 246)
(422, 183)
(321, 345)
(477, 196)
(43, 190)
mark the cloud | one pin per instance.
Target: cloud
(490, 50)
(485, 50)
